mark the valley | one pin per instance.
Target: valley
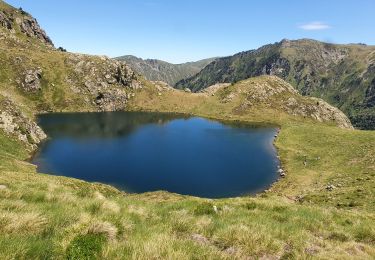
(157, 70)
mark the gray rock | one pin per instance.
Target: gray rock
(110, 79)
(32, 79)
(5, 21)
(14, 122)
(330, 187)
(31, 28)
(125, 75)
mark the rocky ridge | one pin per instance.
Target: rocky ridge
(342, 75)
(157, 70)
(272, 92)
(51, 80)
(20, 21)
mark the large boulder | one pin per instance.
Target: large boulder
(14, 122)
(31, 82)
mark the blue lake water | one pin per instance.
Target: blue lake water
(142, 152)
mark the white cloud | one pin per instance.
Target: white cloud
(314, 26)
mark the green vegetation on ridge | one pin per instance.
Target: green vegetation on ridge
(343, 75)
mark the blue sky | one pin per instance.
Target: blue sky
(186, 30)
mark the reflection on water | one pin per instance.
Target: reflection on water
(140, 152)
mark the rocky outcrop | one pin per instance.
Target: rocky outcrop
(14, 122)
(112, 100)
(126, 76)
(31, 82)
(111, 83)
(318, 110)
(5, 20)
(31, 28)
(26, 24)
(274, 93)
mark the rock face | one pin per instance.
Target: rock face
(14, 122)
(111, 83)
(6, 21)
(20, 20)
(125, 76)
(32, 79)
(31, 28)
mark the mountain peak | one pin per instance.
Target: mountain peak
(18, 21)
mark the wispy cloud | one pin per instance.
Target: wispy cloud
(314, 26)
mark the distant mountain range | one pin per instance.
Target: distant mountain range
(157, 70)
(343, 75)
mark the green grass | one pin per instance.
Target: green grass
(43, 216)
(87, 246)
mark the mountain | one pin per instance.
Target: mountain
(37, 78)
(343, 75)
(157, 70)
(322, 208)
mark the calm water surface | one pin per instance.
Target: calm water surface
(142, 152)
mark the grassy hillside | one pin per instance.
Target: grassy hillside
(47, 217)
(323, 208)
(157, 70)
(343, 75)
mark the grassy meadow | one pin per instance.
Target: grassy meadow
(44, 216)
